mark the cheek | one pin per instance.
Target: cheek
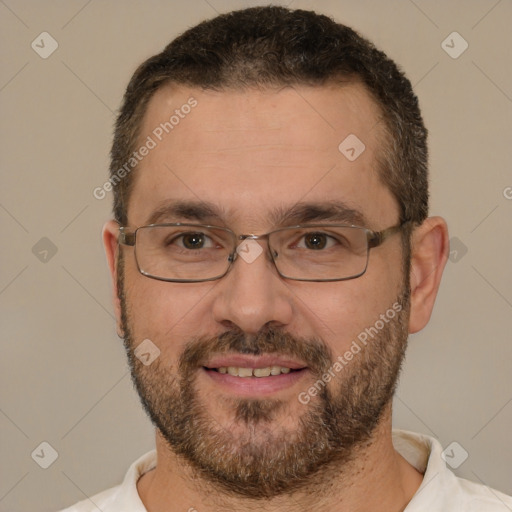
(165, 313)
(339, 312)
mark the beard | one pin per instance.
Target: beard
(253, 455)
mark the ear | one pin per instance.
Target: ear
(110, 235)
(429, 254)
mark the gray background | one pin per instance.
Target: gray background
(63, 371)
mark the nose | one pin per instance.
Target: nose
(253, 295)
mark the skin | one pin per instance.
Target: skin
(248, 152)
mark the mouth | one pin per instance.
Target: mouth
(237, 371)
(254, 376)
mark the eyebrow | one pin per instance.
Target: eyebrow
(184, 210)
(281, 216)
(331, 211)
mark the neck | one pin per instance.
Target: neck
(378, 478)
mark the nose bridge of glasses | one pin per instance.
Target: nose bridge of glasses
(271, 254)
(242, 238)
(252, 237)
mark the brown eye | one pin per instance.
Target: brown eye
(315, 241)
(193, 240)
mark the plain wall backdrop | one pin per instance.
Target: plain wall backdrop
(64, 379)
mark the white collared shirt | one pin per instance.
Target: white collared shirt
(440, 491)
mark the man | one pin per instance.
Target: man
(270, 253)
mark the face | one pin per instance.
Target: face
(248, 161)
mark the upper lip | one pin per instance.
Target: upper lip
(248, 361)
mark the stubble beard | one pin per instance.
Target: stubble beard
(254, 455)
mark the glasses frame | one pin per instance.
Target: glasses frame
(128, 237)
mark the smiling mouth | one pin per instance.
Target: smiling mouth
(244, 372)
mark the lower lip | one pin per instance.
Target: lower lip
(255, 386)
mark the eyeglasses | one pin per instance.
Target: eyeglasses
(191, 253)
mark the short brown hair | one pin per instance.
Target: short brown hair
(275, 47)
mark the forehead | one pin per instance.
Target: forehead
(252, 152)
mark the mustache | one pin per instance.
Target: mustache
(312, 351)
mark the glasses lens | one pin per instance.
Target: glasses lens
(196, 253)
(320, 252)
(186, 252)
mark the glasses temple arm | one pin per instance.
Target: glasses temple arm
(378, 237)
(126, 238)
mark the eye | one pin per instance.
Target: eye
(193, 241)
(316, 241)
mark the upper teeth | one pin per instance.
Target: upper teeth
(256, 372)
